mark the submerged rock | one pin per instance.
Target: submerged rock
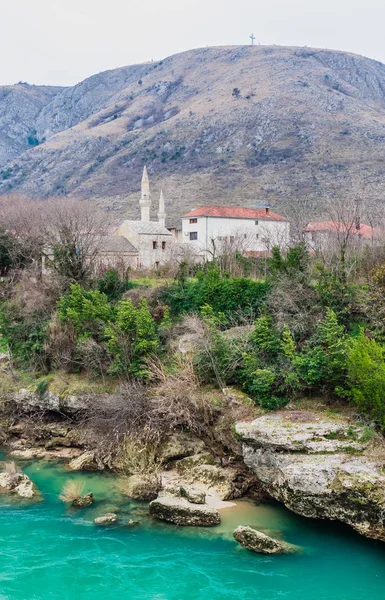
(174, 509)
(83, 501)
(316, 466)
(255, 540)
(107, 519)
(142, 487)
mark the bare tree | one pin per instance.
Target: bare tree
(73, 231)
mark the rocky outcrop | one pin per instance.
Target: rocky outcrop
(142, 487)
(319, 467)
(176, 509)
(19, 484)
(83, 501)
(107, 519)
(28, 401)
(87, 461)
(255, 540)
(230, 482)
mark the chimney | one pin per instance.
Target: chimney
(267, 209)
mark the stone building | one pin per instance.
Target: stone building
(151, 239)
(211, 230)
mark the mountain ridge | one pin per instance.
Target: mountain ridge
(227, 125)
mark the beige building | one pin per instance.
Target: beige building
(151, 239)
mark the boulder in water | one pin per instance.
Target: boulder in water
(142, 487)
(107, 519)
(83, 501)
(255, 540)
(174, 509)
(15, 482)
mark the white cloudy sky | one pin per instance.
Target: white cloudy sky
(63, 41)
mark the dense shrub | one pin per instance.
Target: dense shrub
(229, 296)
(366, 377)
(131, 338)
(113, 285)
(88, 310)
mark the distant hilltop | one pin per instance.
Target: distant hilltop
(231, 125)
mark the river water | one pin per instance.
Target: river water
(48, 551)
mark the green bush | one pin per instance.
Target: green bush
(114, 286)
(132, 338)
(88, 310)
(229, 296)
(366, 377)
(321, 365)
(24, 336)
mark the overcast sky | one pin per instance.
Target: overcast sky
(60, 42)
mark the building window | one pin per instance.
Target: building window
(245, 235)
(163, 245)
(154, 245)
(256, 222)
(192, 221)
(232, 238)
(193, 235)
(257, 236)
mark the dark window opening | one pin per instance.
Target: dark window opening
(192, 221)
(193, 235)
(163, 245)
(256, 222)
(154, 245)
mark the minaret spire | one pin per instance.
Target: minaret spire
(162, 210)
(145, 200)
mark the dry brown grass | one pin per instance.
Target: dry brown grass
(72, 490)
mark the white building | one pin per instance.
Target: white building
(252, 231)
(150, 238)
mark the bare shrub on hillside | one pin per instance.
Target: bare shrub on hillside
(295, 305)
(59, 344)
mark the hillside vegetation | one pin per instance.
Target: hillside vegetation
(235, 125)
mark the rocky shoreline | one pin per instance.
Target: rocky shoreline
(318, 466)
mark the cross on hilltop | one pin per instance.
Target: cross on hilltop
(252, 37)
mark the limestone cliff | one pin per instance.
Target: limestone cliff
(319, 467)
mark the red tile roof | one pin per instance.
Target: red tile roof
(235, 212)
(365, 231)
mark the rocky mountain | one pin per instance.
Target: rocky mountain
(20, 107)
(239, 125)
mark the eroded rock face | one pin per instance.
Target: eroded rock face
(86, 462)
(255, 540)
(305, 461)
(174, 509)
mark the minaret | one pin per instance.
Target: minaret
(145, 201)
(162, 212)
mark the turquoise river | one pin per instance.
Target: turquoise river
(48, 551)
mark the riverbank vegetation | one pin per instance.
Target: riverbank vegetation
(290, 325)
